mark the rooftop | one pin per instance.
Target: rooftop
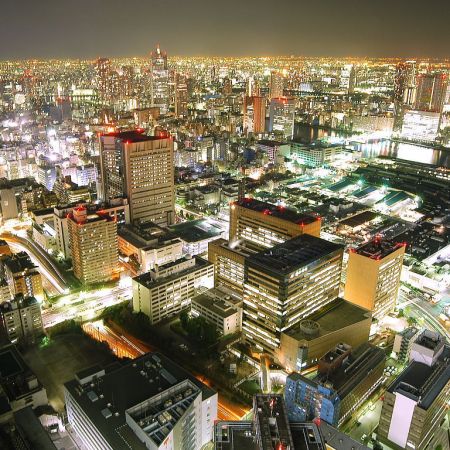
(280, 212)
(423, 383)
(217, 302)
(18, 262)
(126, 386)
(195, 230)
(332, 317)
(294, 253)
(133, 136)
(378, 248)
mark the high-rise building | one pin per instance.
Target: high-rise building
(276, 88)
(254, 114)
(103, 77)
(281, 116)
(345, 379)
(404, 90)
(159, 80)
(181, 96)
(431, 91)
(149, 403)
(262, 225)
(348, 78)
(286, 283)
(416, 403)
(166, 290)
(21, 318)
(373, 275)
(22, 276)
(141, 168)
(94, 247)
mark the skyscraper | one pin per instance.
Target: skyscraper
(431, 91)
(254, 114)
(286, 283)
(348, 78)
(281, 116)
(373, 275)
(93, 241)
(102, 77)
(159, 80)
(181, 96)
(276, 88)
(140, 167)
(404, 90)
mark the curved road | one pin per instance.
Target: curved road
(41, 258)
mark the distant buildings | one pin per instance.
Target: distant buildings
(141, 168)
(168, 289)
(149, 403)
(345, 379)
(287, 283)
(94, 247)
(262, 225)
(373, 276)
(416, 403)
(430, 92)
(281, 116)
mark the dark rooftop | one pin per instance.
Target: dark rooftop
(280, 212)
(195, 230)
(378, 248)
(294, 253)
(359, 219)
(134, 136)
(127, 385)
(18, 262)
(423, 383)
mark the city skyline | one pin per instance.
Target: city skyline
(64, 30)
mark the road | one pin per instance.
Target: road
(46, 265)
(84, 305)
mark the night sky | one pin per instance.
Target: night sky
(91, 28)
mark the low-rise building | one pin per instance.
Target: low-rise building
(21, 318)
(168, 289)
(219, 308)
(403, 342)
(150, 403)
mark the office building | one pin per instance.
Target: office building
(281, 116)
(271, 148)
(147, 404)
(229, 262)
(181, 96)
(416, 403)
(168, 289)
(147, 246)
(20, 387)
(404, 91)
(261, 225)
(305, 342)
(103, 78)
(276, 88)
(430, 92)
(94, 246)
(420, 125)
(21, 319)
(286, 283)
(403, 341)
(254, 114)
(140, 167)
(345, 379)
(317, 155)
(159, 80)
(22, 276)
(347, 80)
(373, 275)
(220, 309)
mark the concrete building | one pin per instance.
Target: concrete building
(373, 276)
(141, 168)
(416, 403)
(345, 380)
(229, 263)
(281, 116)
(219, 308)
(159, 80)
(286, 284)
(304, 343)
(403, 341)
(272, 148)
(313, 155)
(262, 225)
(21, 319)
(181, 96)
(168, 289)
(276, 88)
(150, 403)
(20, 387)
(94, 246)
(254, 114)
(22, 276)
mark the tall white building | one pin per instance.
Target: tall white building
(281, 116)
(159, 81)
